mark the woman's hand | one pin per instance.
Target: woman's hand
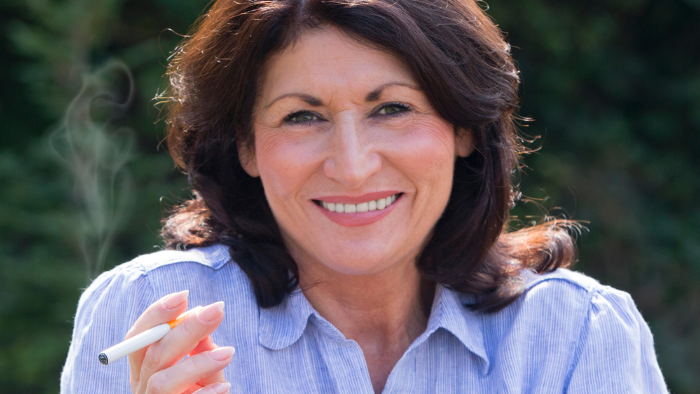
(155, 369)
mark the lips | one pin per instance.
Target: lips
(367, 206)
(358, 211)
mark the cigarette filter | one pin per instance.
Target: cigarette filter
(141, 340)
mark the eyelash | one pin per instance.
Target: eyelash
(288, 118)
(404, 108)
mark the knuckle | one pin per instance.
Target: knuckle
(202, 362)
(156, 385)
(187, 327)
(152, 360)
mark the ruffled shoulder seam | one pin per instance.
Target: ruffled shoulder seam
(574, 278)
(214, 257)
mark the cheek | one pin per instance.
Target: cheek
(427, 149)
(284, 163)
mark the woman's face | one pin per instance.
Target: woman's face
(356, 164)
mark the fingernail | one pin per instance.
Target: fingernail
(221, 388)
(211, 312)
(222, 353)
(174, 300)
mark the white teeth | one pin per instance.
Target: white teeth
(360, 208)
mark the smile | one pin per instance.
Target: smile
(368, 206)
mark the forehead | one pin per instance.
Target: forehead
(327, 57)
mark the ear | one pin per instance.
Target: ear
(464, 142)
(247, 158)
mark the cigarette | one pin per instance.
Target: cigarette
(141, 340)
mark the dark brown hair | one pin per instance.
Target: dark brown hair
(463, 64)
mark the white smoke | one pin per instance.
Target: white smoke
(96, 153)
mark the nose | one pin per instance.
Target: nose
(353, 157)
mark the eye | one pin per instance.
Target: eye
(301, 117)
(393, 109)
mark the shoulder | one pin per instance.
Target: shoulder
(562, 278)
(151, 276)
(566, 294)
(611, 345)
(565, 303)
(589, 334)
(213, 257)
(128, 289)
(208, 273)
(556, 302)
(553, 312)
(569, 289)
(173, 269)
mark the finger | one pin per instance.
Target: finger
(205, 345)
(189, 371)
(164, 310)
(181, 340)
(216, 388)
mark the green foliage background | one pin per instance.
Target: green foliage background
(614, 87)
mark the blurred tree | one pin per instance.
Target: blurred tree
(53, 48)
(614, 88)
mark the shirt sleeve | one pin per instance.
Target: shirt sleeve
(106, 311)
(615, 353)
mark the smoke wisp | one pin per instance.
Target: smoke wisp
(96, 153)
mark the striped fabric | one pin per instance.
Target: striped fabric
(567, 333)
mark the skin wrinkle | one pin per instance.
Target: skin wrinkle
(469, 252)
(316, 102)
(281, 238)
(362, 279)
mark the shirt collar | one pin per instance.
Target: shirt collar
(281, 326)
(450, 312)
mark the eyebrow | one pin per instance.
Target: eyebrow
(376, 93)
(311, 100)
(371, 96)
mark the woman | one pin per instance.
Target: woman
(352, 165)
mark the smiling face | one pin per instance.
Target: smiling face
(356, 164)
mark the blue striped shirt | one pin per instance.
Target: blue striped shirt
(566, 333)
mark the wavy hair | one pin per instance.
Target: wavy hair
(463, 64)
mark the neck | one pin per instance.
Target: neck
(386, 304)
(384, 313)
